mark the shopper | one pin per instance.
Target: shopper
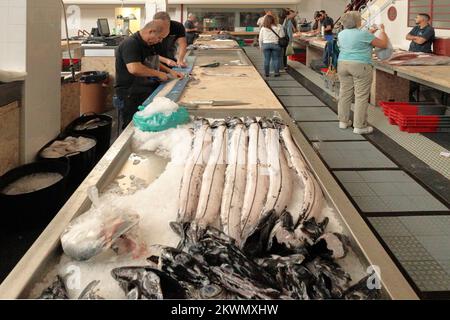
(355, 70)
(172, 50)
(266, 13)
(289, 29)
(138, 69)
(192, 30)
(269, 37)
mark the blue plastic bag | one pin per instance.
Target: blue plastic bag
(159, 121)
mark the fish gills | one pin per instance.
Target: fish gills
(235, 181)
(193, 171)
(212, 185)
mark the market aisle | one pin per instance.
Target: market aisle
(410, 219)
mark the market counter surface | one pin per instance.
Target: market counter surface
(392, 83)
(241, 83)
(314, 47)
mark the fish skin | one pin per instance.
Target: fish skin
(314, 198)
(235, 179)
(193, 171)
(213, 180)
(280, 179)
(257, 185)
(145, 283)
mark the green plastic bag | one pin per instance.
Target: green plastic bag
(159, 121)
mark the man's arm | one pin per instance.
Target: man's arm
(173, 73)
(182, 51)
(167, 61)
(139, 70)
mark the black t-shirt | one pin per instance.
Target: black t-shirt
(167, 48)
(428, 34)
(328, 22)
(134, 49)
(190, 36)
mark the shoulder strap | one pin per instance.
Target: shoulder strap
(275, 33)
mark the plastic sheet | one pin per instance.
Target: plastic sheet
(159, 121)
(99, 229)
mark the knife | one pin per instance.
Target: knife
(213, 103)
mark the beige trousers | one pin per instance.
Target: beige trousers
(355, 81)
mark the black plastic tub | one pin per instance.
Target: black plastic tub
(101, 133)
(37, 208)
(81, 163)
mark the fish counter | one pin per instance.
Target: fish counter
(229, 204)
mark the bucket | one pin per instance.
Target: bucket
(36, 208)
(93, 85)
(81, 163)
(101, 133)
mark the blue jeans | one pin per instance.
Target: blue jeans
(272, 54)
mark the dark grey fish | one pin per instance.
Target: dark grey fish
(332, 281)
(330, 246)
(282, 239)
(144, 283)
(361, 291)
(216, 250)
(247, 288)
(57, 291)
(256, 244)
(194, 276)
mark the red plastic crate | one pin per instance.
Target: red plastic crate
(299, 57)
(407, 117)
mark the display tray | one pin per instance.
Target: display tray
(35, 268)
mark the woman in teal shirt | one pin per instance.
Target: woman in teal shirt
(355, 70)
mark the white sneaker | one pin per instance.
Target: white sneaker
(365, 130)
(345, 125)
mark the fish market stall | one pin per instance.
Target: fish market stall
(315, 46)
(392, 77)
(233, 203)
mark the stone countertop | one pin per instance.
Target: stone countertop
(10, 92)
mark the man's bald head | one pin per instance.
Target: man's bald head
(155, 31)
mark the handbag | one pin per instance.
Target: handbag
(282, 41)
(290, 50)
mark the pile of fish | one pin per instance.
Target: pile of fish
(209, 265)
(67, 147)
(238, 172)
(237, 239)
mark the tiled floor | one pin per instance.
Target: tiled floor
(301, 101)
(327, 131)
(284, 84)
(387, 191)
(401, 211)
(292, 92)
(422, 246)
(312, 114)
(352, 154)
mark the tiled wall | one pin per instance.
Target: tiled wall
(41, 110)
(13, 34)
